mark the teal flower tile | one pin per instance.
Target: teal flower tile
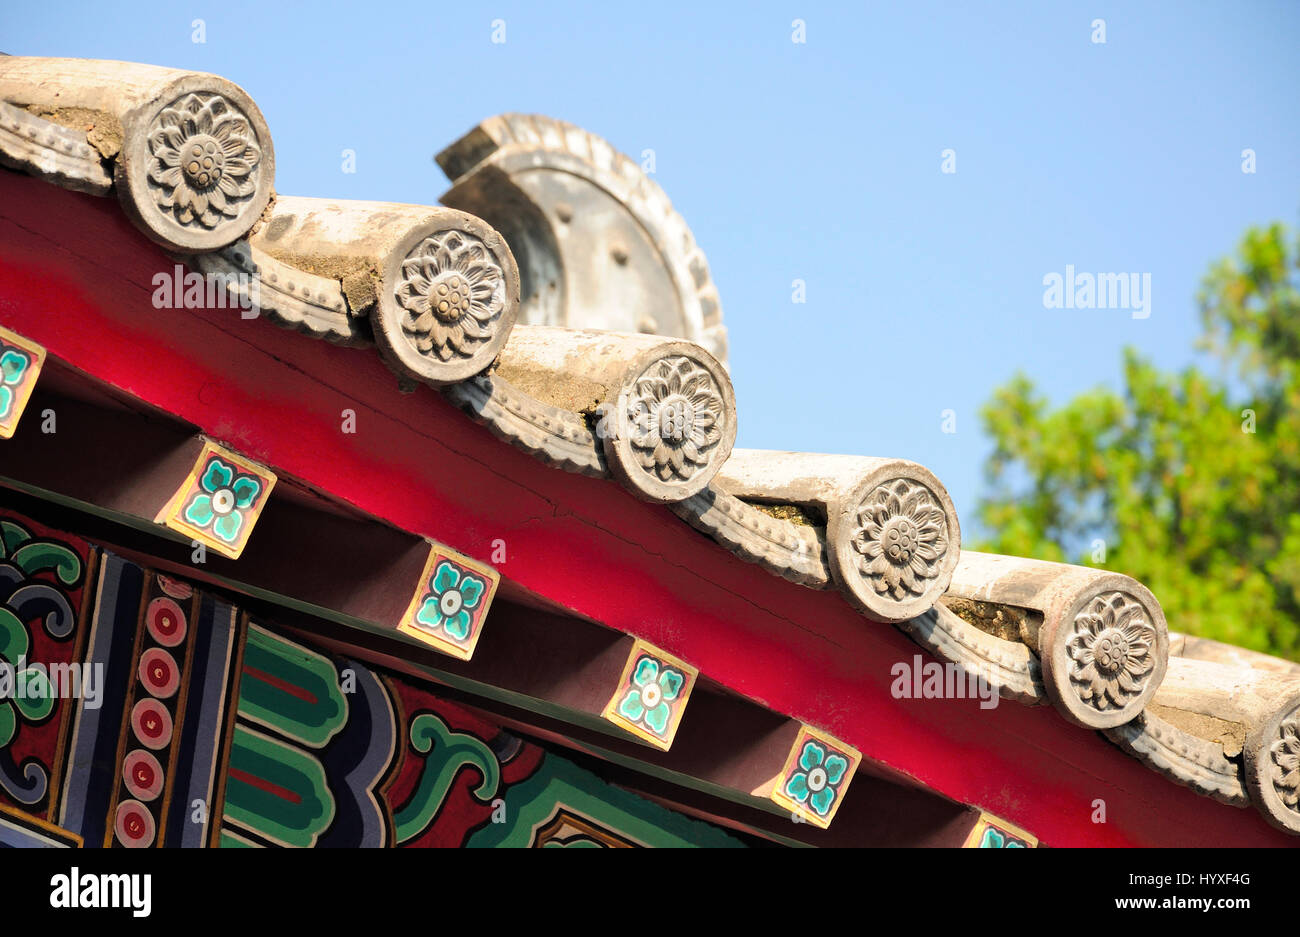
(652, 695)
(220, 501)
(20, 364)
(815, 777)
(451, 602)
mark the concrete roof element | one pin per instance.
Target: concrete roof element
(559, 300)
(891, 532)
(137, 117)
(598, 242)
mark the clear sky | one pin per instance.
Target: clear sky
(818, 161)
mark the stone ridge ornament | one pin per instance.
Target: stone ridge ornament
(902, 538)
(197, 166)
(203, 156)
(597, 239)
(188, 153)
(894, 540)
(891, 534)
(651, 695)
(675, 415)
(1100, 637)
(1184, 758)
(1272, 757)
(20, 365)
(220, 501)
(661, 411)
(1285, 753)
(1105, 653)
(450, 602)
(1111, 651)
(453, 291)
(448, 300)
(435, 290)
(678, 423)
(816, 777)
(51, 151)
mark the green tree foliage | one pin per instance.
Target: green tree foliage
(1190, 482)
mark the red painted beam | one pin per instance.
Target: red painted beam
(77, 277)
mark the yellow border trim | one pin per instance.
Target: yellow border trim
(21, 817)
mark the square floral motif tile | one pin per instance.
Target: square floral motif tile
(651, 695)
(816, 776)
(20, 363)
(451, 602)
(220, 500)
(991, 833)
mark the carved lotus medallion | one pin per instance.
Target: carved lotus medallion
(675, 416)
(1285, 753)
(203, 156)
(452, 291)
(902, 535)
(1111, 650)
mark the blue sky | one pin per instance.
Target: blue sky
(817, 161)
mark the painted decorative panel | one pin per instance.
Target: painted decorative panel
(403, 767)
(312, 740)
(155, 707)
(144, 763)
(203, 727)
(44, 577)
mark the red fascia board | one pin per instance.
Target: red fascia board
(77, 277)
